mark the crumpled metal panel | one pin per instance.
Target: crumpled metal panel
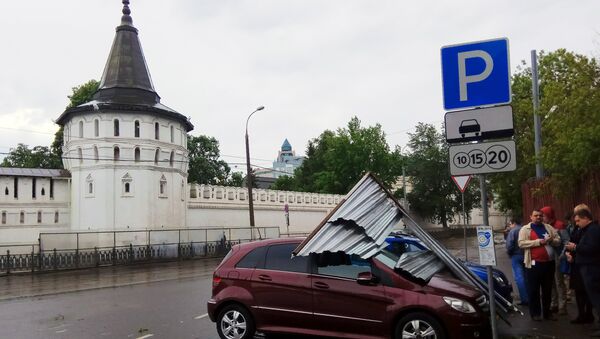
(359, 225)
(420, 264)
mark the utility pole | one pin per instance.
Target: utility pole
(490, 273)
(537, 124)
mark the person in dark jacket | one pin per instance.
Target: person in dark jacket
(584, 306)
(587, 256)
(516, 257)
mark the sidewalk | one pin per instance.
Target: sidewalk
(522, 326)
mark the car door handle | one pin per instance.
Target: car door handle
(264, 277)
(319, 284)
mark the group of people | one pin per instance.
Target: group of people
(550, 256)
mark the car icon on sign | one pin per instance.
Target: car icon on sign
(469, 126)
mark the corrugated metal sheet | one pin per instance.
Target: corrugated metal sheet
(420, 264)
(361, 222)
(359, 225)
(34, 172)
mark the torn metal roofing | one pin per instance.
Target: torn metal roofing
(421, 265)
(359, 224)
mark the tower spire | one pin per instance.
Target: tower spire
(126, 18)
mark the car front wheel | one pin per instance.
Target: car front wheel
(418, 325)
(235, 322)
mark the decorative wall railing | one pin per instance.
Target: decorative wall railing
(188, 245)
(239, 195)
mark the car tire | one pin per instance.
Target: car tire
(234, 321)
(420, 325)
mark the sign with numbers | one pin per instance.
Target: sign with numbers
(481, 158)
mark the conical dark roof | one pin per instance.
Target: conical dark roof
(126, 84)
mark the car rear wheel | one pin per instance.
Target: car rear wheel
(418, 325)
(235, 322)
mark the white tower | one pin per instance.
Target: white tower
(127, 152)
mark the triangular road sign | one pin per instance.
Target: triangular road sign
(462, 181)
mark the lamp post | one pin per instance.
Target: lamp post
(249, 172)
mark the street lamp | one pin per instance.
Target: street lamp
(249, 172)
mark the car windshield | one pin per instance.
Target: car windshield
(388, 258)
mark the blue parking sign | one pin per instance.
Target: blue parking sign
(476, 74)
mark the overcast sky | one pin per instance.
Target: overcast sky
(312, 64)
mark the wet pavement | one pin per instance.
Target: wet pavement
(168, 300)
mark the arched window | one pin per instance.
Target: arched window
(80, 155)
(116, 127)
(81, 129)
(6, 192)
(56, 217)
(156, 131)
(137, 154)
(3, 217)
(127, 184)
(117, 153)
(90, 188)
(22, 217)
(172, 158)
(39, 217)
(127, 189)
(96, 153)
(156, 156)
(43, 192)
(96, 127)
(136, 129)
(172, 134)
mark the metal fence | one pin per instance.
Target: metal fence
(58, 251)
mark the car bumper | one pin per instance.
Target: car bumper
(211, 307)
(468, 326)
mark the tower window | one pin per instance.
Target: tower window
(156, 131)
(33, 188)
(172, 158)
(127, 187)
(3, 217)
(156, 155)
(137, 128)
(39, 217)
(80, 155)
(117, 153)
(172, 134)
(56, 217)
(163, 186)
(16, 188)
(96, 153)
(116, 127)
(51, 188)
(90, 188)
(81, 129)
(6, 191)
(137, 154)
(22, 217)
(96, 128)
(43, 192)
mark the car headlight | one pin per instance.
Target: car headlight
(459, 305)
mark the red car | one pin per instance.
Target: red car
(259, 286)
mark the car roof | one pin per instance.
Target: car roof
(267, 242)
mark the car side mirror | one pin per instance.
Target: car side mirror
(366, 278)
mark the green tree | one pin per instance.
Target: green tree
(205, 167)
(434, 196)
(337, 160)
(37, 157)
(570, 110)
(236, 180)
(284, 183)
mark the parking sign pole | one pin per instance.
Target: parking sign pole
(537, 124)
(490, 274)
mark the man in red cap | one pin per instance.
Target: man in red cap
(559, 288)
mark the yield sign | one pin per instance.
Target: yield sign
(462, 181)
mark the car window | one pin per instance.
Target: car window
(279, 258)
(253, 258)
(349, 270)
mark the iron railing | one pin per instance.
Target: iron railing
(124, 249)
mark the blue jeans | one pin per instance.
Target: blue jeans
(519, 273)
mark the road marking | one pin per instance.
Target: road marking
(202, 316)
(61, 331)
(145, 336)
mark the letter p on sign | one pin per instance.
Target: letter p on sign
(476, 74)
